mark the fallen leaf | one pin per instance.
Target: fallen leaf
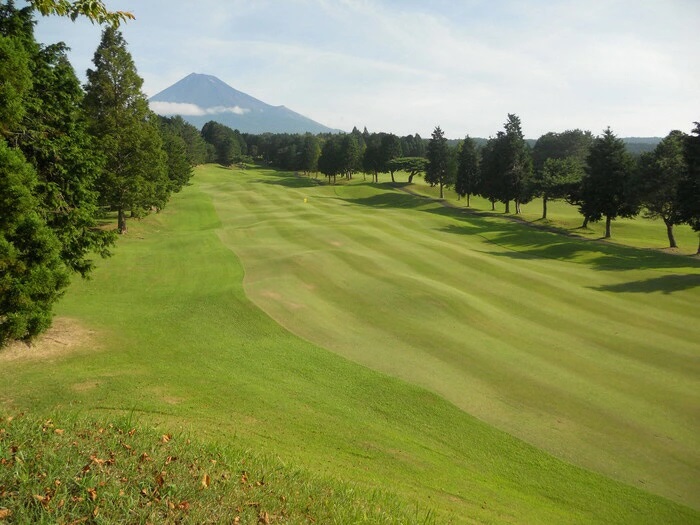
(160, 479)
(97, 461)
(132, 432)
(165, 438)
(96, 512)
(93, 494)
(184, 505)
(145, 457)
(237, 519)
(5, 513)
(206, 480)
(59, 431)
(264, 518)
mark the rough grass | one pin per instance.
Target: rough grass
(177, 341)
(77, 470)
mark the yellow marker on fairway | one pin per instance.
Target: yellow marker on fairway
(305, 200)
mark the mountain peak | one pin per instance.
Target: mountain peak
(199, 98)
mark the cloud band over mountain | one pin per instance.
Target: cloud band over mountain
(193, 110)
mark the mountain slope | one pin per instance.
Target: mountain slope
(201, 98)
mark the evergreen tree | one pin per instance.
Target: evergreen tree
(438, 172)
(53, 137)
(518, 165)
(33, 275)
(605, 187)
(134, 179)
(310, 152)
(468, 174)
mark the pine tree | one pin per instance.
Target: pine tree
(437, 172)
(468, 174)
(33, 275)
(134, 178)
(605, 187)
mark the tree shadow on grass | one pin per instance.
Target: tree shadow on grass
(289, 180)
(666, 284)
(523, 241)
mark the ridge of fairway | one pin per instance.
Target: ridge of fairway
(181, 345)
(587, 350)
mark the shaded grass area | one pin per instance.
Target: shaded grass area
(77, 470)
(637, 232)
(182, 346)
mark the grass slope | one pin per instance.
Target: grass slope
(178, 342)
(587, 350)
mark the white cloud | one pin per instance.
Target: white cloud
(192, 110)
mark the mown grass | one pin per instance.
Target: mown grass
(76, 470)
(637, 232)
(585, 349)
(179, 343)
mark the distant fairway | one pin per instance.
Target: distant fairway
(585, 350)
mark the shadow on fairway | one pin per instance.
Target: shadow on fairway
(666, 284)
(523, 241)
(288, 180)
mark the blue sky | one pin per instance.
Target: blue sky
(407, 66)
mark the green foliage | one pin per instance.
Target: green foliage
(195, 145)
(93, 10)
(228, 144)
(309, 154)
(689, 188)
(657, 182)
(468, 172)
(32, 274)
(16, 83)
(412, 165)
(605, 189)
(135, 178)
(439, 171)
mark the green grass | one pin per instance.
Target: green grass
(77, 470)
(587, 350)
(504, 323)
(637, 232)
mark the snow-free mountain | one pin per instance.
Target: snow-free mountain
(200, 98)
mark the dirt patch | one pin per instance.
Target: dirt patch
(65, 336)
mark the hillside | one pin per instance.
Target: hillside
(201, 98)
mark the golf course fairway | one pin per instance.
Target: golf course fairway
(486, 370)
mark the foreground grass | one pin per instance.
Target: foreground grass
(78, 471)
(177, 341)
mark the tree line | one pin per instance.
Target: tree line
(598, 175)
(70, 155)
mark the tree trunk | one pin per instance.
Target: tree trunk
(493, 205)
(121, 221)
(585, 222)
(607, 226)
(544, 206)
(517, 207)
(698, 252)
(392, 176)
(669, 232)
(507, 207)
(467, 200)
(410, 178)
(441, 195)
